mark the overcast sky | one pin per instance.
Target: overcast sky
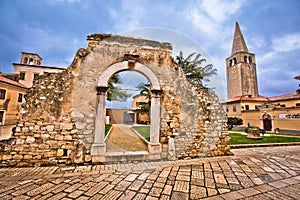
(55, 29)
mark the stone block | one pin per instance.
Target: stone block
(253, 133)
(6, 157)
(50, 128)
(68, 137)
(59, 137)
(27, 157)
(76, 114)
(60, 152)
(30, 139)
(37, 127)
(43, 146)
(17, 157)
(66, 126)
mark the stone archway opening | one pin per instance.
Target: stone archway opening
(99, 145)
(130, 93)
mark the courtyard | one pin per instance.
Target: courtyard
(252, 173)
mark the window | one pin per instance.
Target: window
(20, 97)
(230, 63)
(227, 110)
(234, 108)
(2, 94)
(245, 59)
(25, 60)
(30, 61)
(36, 76)
(1, 117)
(22, 75)
(250, 59)
(298, 104)
(234, 61)
(282, 105)
(246, 107)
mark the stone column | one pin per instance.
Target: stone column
(99, 146)
(154, 145)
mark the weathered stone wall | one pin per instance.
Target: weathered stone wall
(59, 120)
(46, 134)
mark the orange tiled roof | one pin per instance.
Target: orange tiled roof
(11, 82)
(292, 95)
(246, 98)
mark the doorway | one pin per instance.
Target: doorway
(267, 122)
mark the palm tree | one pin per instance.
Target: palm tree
(114, 92)
(193, 68)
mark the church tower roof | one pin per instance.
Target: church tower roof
(238, 44)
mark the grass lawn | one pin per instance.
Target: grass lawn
(237, 138)
(107, 127)
(144, 131)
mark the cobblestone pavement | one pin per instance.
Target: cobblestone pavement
(254, 173)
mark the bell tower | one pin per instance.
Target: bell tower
(241, 68)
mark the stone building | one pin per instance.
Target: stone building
(30, 68)
(65, 112)
(11, 97)
(137, 102)
(278, 113)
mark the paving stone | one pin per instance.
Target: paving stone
(180, 177)
(73, 187)
(249, 192)
(197, 182)
(232, 196)
(155, 191)
(160, 185)
(264, 188)
(143, 176)
(179, 195)
(140, 196)
(219, 178)
(123, 185)
(197, 192)
(211, 191)
(106, 189)
(95, 189)
(40, 189)
(167, 190)
(75, 194)
(209, 182)
(165, 197)
(278, 184)
(112, 194)
(23, 190)
(131, 177)
(181, 186)
(127, 195)
(136, 185)
(59, 196)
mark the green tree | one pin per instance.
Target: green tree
(194, 69)
(115, 93)
(234, 121)
(144, 107)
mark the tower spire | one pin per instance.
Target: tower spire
(238, 44)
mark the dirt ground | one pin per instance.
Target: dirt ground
(122, 139)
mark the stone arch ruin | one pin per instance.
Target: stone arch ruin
(64, 113)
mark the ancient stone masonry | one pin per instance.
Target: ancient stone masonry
(63, 117)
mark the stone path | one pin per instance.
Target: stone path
(122, 139)
(255, 173)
